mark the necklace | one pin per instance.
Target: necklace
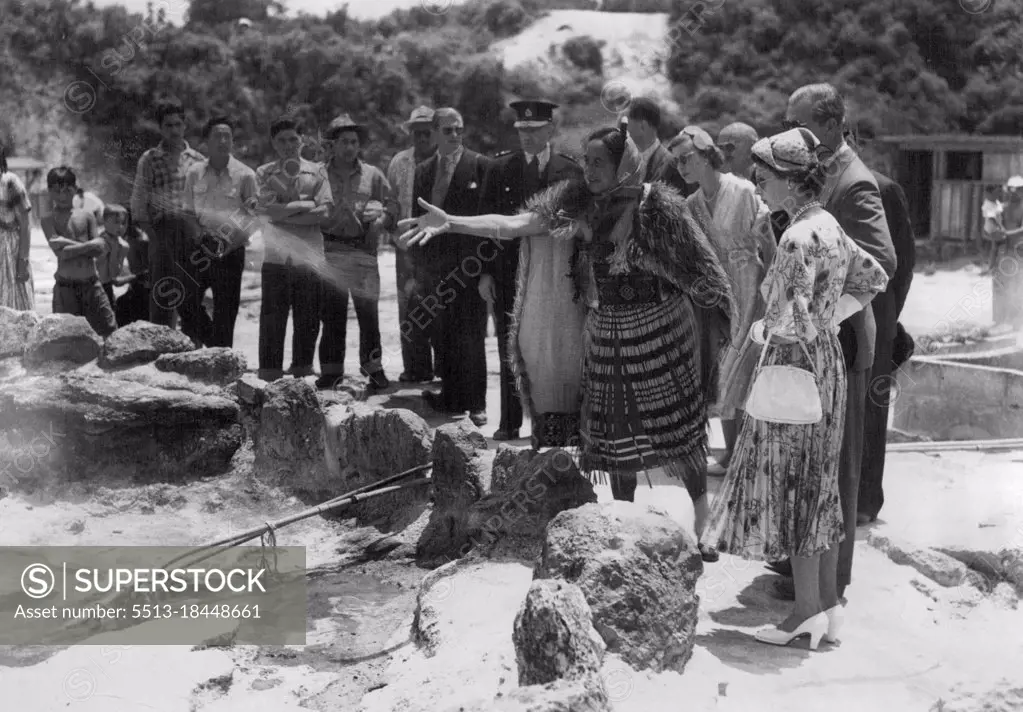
(799, 213)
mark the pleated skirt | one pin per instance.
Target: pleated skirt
(780, 496)
(643, 405)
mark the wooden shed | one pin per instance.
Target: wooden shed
(944, 177)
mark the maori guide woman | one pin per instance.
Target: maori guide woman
(643, 268)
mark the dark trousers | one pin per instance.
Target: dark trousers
(623, 487)
(350, 273)
(85, 297)
(133, 305)
(504, 304)
(416, 350)
(108, 289)
(849, 469)
(875, 431)
(223, 276)
(288, 289)
(458, 333)
(173, 288)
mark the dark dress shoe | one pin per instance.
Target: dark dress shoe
(436, 402)
(708, 554)
(865, 519)
(478, 418)
(781, 567)
(506, 435)
(377, 381)
(328, 383)
(406, 377)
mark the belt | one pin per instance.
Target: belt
(341, 239)
(65, 282)
(630, 290)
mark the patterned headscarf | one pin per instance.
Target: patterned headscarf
(788, 151)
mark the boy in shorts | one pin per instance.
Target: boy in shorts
(74, 237)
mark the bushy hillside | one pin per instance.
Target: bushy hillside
(76, 81)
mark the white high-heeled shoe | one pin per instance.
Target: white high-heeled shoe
(836, 617)
(815, 626)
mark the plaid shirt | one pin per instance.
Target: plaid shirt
(160, 185)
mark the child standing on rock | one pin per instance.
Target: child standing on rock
(74, 237)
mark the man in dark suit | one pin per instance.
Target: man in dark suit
(513, 178)
(887, 308)
(644, 128)
(852, 196)
(449, 305)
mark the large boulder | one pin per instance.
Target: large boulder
(528, 489)
(15, 326)
(142, 342)
(638, 570)
(461, 477)
(365, 444)
(219, 365)
(289, 448)
(554, 635)
(60, 341)
(99, 427)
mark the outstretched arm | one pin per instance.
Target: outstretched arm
(496, 227)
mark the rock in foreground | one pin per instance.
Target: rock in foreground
(15, 326)
(528, 489)
(554, 635)
(142, 342)
(61, 339)
(221, 366)
(78, 426)
(638, 569)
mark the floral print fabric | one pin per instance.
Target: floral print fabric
(780, 496)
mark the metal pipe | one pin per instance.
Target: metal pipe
(961, 445)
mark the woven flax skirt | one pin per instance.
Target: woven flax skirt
(643, 404)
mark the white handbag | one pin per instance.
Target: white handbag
(785, 394)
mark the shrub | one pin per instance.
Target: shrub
(584, 52)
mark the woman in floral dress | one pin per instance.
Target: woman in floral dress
(736, 222)
(780, 496)
(643, 268)
(16, 288)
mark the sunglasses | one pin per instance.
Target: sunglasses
(683, 159)
(453, 130)
(727, 148)
(789, 124)
(422, 133)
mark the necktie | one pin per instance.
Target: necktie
(532, 176)
(443, 178)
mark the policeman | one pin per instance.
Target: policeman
(514, 177)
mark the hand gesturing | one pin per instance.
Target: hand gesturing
(419, 231)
